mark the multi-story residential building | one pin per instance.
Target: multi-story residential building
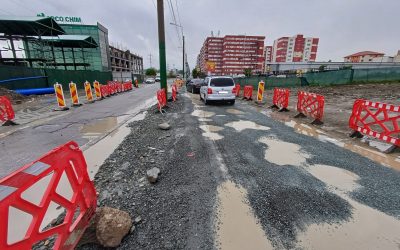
(125, 65)
(295, 49)
(267, 56)
(364, 56)
(232, 54)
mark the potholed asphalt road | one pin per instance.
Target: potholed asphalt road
(25, 143)
(283, 189)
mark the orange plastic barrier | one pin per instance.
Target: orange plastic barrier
(310, 104)
(379, 120)
(68, 161)
(161, 99)
(88, 92)
(281, 99)
(174, 91)
(74, 94)
(237, 90)
(248, 92)
(60, 97)
(97, 90)
(6, 111)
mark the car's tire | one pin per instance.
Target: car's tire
(192, 90)
(232, 102)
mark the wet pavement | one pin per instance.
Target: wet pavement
(86, 125)
(292, 185)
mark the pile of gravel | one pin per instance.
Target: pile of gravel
(14, 97)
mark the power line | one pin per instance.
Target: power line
(177, 11)
(171, 8)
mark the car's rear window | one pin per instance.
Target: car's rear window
(221, 82)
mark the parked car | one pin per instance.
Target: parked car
(194, 85)
(218, 88)
(150, 80)
(158, 79)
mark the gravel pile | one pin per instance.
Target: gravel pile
(14, 97)
(176, 211)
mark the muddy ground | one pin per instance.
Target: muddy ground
(339, 101)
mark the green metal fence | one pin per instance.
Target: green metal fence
(270, 82)
(14, 77)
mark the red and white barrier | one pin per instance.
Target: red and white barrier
(237, 90)
(281, 99)
(161, 100)
(379, 120)
(312, 105)
(174, 92)
(248, 92)
(7, 114)
(63, 163)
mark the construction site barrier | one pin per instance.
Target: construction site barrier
(88, 92)
(58, 89)
(379, 120)
(248, 92)
(174, 92)
(161, 99)
(7, 114)
(97, 90)
(65, 164)
(260, 91)
(237, 90)
(310, 104)
(74, 94)
(281, 99)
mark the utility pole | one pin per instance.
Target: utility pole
(161, 44)
(151, 65)
(183, 57)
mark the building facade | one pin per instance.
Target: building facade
(364, 56)
(268, 57)
(295, 49)
(125, 65)
(231, 54)
(98, 58)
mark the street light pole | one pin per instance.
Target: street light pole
(161, 44)
(183, 49)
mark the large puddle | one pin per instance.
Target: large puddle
(283, 153)
(367, 229)
(202, 114)
(242, 125)
(237, 228)
(210, 131)
(235, 111)
(388, 160)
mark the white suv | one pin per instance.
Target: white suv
(218, 88)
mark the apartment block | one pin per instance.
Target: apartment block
(295, 49)
(232, 54)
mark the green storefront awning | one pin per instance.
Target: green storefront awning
(30, 26)
(71, 41)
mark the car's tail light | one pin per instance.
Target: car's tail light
(209, 91)
(234, 90)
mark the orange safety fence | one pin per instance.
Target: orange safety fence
(312, 105)
(60, 169)
(281, 99)
(379, 120)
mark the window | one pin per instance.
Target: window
(221, 82)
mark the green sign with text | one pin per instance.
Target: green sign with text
(63, 19)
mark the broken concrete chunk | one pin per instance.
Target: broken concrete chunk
(164, 126)
(138, 220)
(111, 226)
(152, 174)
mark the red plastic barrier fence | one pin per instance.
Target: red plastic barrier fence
(65, 164)
(104, 90)
(237, 90)
(376, 119)
(248, 92)
(161, 99)
(281, 99)
(174, 91)
(311, 104)
(6, 109)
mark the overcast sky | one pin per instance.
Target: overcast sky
(343, 26)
